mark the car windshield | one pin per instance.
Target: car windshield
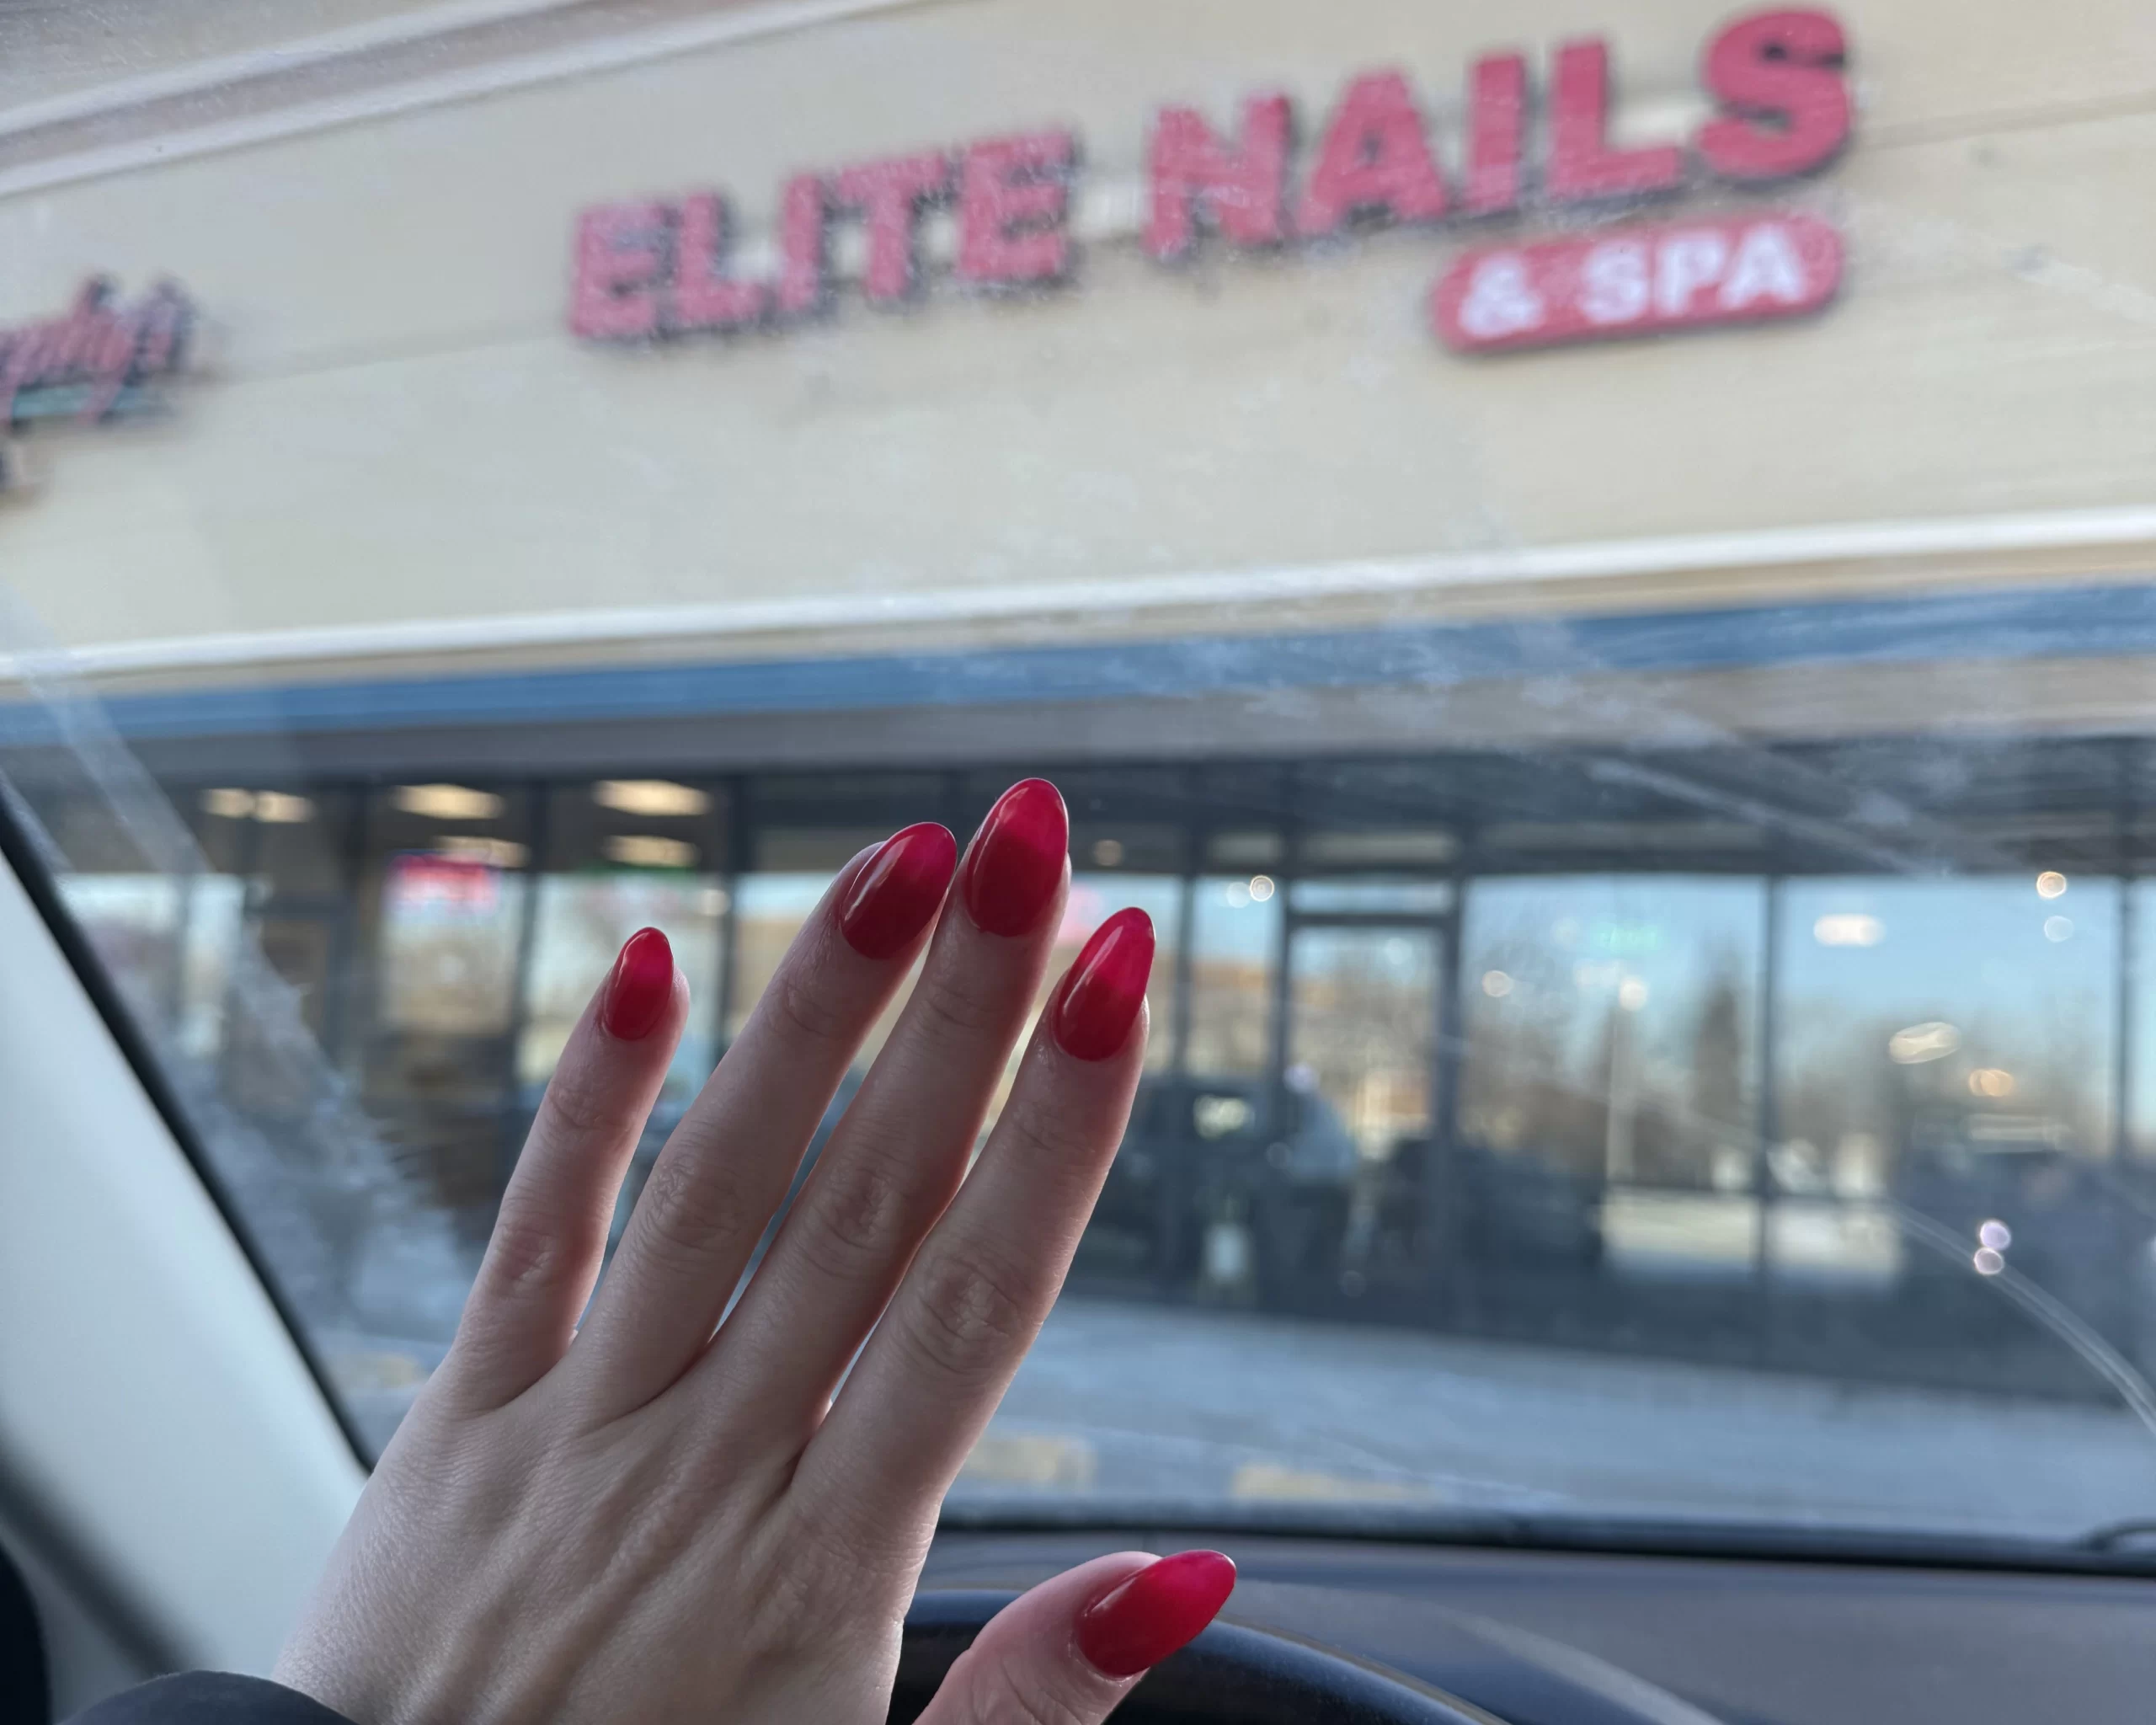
(1585, 564)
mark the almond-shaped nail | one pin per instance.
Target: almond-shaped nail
(1139, 1623)
(638, 987)
(1016, 863)
(1105, 990)
(898, 889)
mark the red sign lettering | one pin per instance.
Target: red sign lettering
(1636, 281)
(1496, 132)
(1582, 166)
(804, 217)
(1242, 191)
(1014, 198)
(702, 296)
(620, 254)
(890, 196)
(1375, 162)
(94, 361)
(1785, 104)
(1780, 85)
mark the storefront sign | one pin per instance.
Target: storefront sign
(661, 268)
(1632, 282)
(99, 360)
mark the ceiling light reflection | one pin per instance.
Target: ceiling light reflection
(1849, 929)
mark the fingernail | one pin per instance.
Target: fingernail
(1103, 991)
(1140, 1622)
(898, 890)
(638, 987)
(1016, 860)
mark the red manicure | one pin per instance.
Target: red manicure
(1103, 991)
(898, 890)
(1140, 1622)
(638, 988)
(1016, 860)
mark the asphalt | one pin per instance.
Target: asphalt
(1134, 1404)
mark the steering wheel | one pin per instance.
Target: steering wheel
(1229, 1675)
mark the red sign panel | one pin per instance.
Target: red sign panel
(1636, 282)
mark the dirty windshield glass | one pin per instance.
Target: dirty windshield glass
(1586, 563)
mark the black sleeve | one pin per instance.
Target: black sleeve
(209, 1698)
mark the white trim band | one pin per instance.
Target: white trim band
(1402, 577)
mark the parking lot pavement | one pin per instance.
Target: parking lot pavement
(1128, 1402)
(1133, 1403)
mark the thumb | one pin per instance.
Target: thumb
(1073, 1646)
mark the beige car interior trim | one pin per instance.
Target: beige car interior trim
(166, 1460)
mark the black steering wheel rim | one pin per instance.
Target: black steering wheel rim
(1229, 1675)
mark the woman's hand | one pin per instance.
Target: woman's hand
(632, 1513)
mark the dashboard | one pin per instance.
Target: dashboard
(1541, 1637)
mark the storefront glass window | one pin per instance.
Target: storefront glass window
(625, 854)
(1924, 1023)
(1361, 1036)
(1234, 955)
(1611, 1026)
(441, 931)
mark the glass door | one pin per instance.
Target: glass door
(1357, 1109)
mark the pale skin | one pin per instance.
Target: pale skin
(612, 1507)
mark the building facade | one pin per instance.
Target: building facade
(1587, 566)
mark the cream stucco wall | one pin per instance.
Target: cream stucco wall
(392, 426)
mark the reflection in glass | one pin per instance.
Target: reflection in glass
(1961, 1029)
(1957, 1063)
(1406, 896)
(1611, 1026)
(450, 925)
(769, 911)
(166, 941)
(621, 855)
(1234, 947)
(1361, 1030)
(583, 920)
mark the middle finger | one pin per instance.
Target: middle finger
(729, 1162)
(898, 1155)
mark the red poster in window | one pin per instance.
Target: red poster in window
(1636, 282)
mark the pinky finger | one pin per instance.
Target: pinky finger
(1074, 1646)
(550, 1234)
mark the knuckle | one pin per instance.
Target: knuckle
(1047, 1139)
(526, 1250)
(578, 1105)
(1004, 1689)
(809, 1595)
(960, 1004)
(859, 1217)
(804, 1011)
(689, 1207)
(976, 1312)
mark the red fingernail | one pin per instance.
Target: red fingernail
(1016, 861)
(1103, 990)
(1140, 1622)
(638, 988)
(898, 890)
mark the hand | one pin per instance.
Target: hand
(648, 1516)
